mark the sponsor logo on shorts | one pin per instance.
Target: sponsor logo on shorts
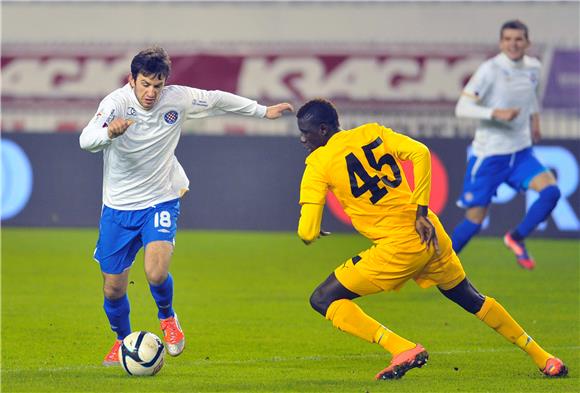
(468, 196)
(171, 117)
(164, 230)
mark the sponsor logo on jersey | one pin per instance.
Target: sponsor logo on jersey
(171, 117)
(199, 102)
(131, 111)
(164, 230)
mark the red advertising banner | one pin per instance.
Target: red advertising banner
(59, 89)
(394, 75)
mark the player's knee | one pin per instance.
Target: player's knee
(156, 277)
(476, 215)
(327, 292)
(113, 292)
(319, 301)
(156, 274)
(466, 296)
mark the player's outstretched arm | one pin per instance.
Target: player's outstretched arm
(276, 111)
(425, 228)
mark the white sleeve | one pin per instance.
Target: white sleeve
(95, 136)
(215, 102)
(467, 106)
(481, 81)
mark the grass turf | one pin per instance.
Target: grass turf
(242, 299)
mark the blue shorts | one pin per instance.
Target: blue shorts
(122, 233)
(485, 174)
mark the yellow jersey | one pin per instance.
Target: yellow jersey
(362, 167)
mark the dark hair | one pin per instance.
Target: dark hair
(151, 61)
(319, 111)
(515, 24)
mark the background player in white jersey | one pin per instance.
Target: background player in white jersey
(503, 94)
(138, 127)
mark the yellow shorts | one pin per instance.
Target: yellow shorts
(388, 264)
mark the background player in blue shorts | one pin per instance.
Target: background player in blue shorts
(137, 127)
(503, 94)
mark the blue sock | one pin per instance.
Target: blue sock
(538, 212)
(163, 295)
(117, 311)
(463, 233)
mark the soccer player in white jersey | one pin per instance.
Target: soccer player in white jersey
(137, 127)
(503, 94)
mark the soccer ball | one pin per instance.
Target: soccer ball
(141, 353)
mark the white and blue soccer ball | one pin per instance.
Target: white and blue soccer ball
(141, 353)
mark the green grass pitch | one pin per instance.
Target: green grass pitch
(242, 299)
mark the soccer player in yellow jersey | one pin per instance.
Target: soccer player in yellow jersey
(362, 167)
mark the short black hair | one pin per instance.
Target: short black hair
(151, 61)
(319, 111)
(515, 24)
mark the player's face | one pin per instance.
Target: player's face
(311, 136)
(147, 89)
(514, 43)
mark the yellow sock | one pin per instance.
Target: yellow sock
(349, 317)
(495, 316)
(392, 342)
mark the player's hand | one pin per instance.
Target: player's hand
(320, 234)
(507, 114)
(427, 233)
(276, 111)
(118, 127)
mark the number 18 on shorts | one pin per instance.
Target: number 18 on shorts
(122, 233)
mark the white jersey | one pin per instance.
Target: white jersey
(502, 83)
(140, 168)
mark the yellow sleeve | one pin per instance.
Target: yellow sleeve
(406, 148)
(310, 221)
(313, 191)
(314, 185)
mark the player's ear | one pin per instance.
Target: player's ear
(323, 129)
(131, 81)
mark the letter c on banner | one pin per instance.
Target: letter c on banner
(439, 189)
(16, 179)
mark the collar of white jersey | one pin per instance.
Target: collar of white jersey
(504, 60)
